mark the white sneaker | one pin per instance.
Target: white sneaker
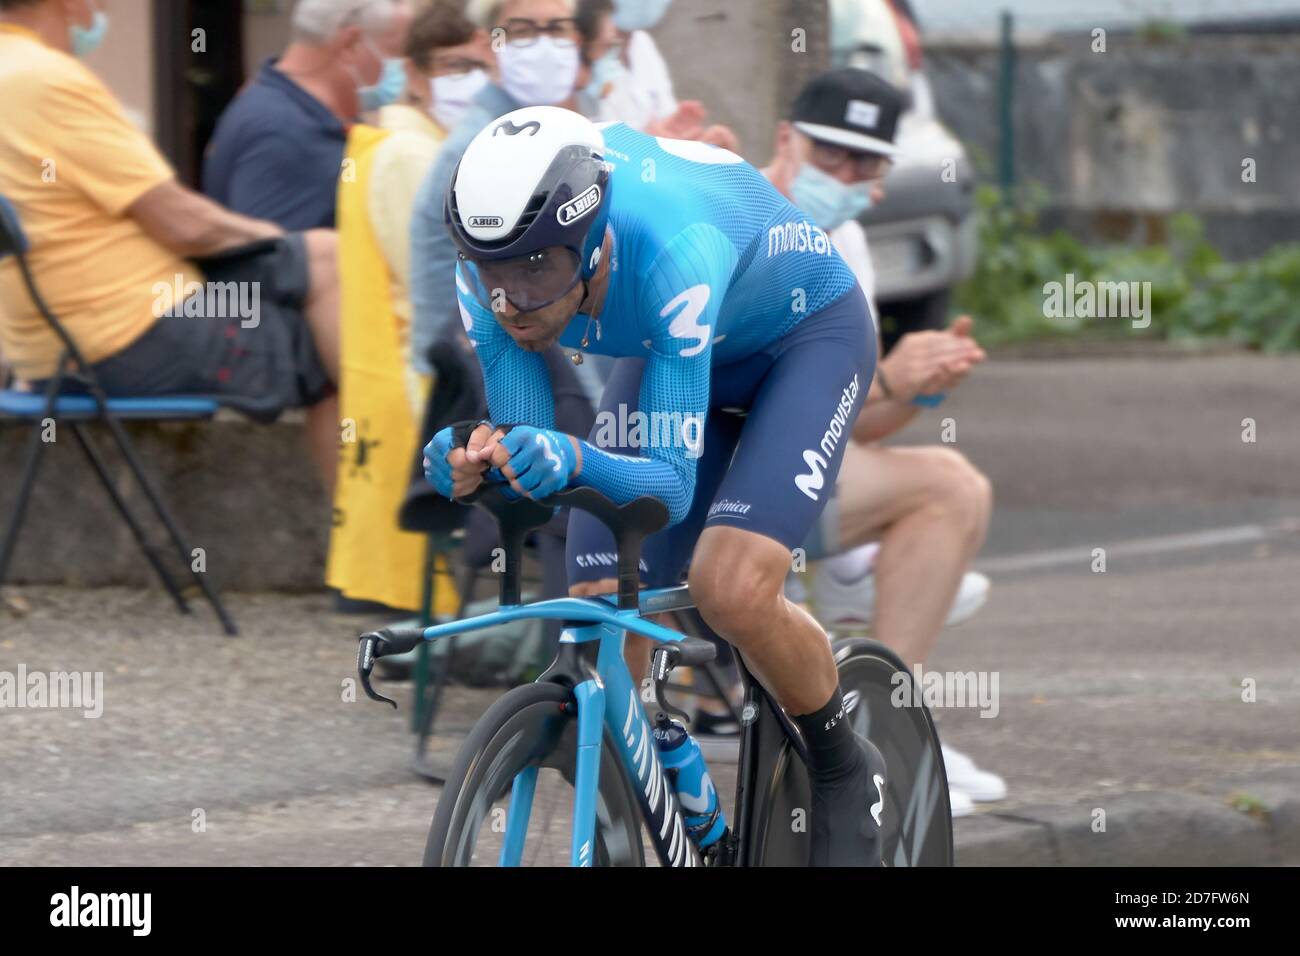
(843, 605)
(851, 605)
(959, 803)
(971, 595)
(975, 783)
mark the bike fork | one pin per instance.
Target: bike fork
(586, 786)
(590, 698)
(521, 809)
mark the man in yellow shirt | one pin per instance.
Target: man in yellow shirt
(113, 237)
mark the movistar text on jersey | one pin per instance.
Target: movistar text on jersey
(798, 237)
(841, 419)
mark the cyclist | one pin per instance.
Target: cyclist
(744, 355)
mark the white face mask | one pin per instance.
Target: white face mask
(453, 93)
(540, 74)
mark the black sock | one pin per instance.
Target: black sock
(833, 747)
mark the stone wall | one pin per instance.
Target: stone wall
(1122, 139)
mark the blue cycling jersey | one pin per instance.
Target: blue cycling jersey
(709, 265)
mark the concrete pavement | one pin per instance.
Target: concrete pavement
(1120, 691)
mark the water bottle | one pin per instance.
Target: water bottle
(684, 764)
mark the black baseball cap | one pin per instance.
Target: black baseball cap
(850, 107)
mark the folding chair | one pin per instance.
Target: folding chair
(79, 410)
(456, 396)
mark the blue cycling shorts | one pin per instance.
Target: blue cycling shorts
(774, 437)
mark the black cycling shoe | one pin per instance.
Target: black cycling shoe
(846, 810)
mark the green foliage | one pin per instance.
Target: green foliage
(1195, 295)
(1158, 32)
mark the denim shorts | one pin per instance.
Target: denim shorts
(243, 341)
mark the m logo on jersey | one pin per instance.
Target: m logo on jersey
(686, 324)
(812, 482)
(579, 206)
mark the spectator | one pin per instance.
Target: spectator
(626, 79)
(448, 60)
(113, 234)
(929, 507)
(371, 560)
(278, 148)
(537, 61)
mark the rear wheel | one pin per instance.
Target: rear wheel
(532, 730)
(917, 820)
(918, 831)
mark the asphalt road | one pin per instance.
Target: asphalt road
(247, 751)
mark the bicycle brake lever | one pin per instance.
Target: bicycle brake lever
(382, 643)
(366, 663)
(664, 660)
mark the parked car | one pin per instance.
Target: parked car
(923, 234)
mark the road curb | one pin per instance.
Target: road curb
(1257, 823)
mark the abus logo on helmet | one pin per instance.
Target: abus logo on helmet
(485, 222)
(579, 206)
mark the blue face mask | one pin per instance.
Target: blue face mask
(632, 15)
(86, 41)
(608, 69)
(392, 80)
(828, 201)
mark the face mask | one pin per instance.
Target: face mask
(452, 95)
(392, 80)
(828, 201)
(632, 15)
(86, 41)
(540, 74)
(605, 71)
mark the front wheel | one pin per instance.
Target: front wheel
(530, 733)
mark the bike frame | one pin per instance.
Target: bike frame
(606, 696)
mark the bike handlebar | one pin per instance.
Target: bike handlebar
(630, 523)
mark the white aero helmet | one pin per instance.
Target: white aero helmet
(528, 205)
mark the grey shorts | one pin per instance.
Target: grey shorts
(243, 341)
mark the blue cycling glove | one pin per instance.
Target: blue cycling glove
(543, 461)
(437, 469)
